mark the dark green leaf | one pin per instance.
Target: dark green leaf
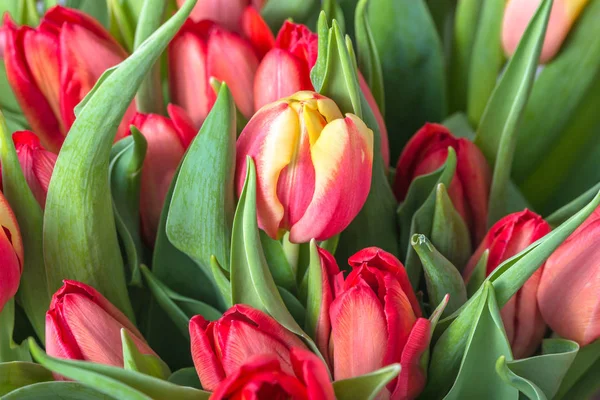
(16, 374)
(367, 386)
(568, 210)
(186, 377)
(479, 273)
(585, 366)
(56, 390)
(275, 12)
(293, 305)
(283, 274)
(9, 350)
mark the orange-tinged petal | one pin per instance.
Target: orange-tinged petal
(257, 31)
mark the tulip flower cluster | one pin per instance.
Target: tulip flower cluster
(252, 199)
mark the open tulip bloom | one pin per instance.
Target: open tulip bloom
(307, 200)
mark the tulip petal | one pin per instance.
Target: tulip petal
(226, 13)
(207, 365)
(412, 378)
(184, 126)
(9, 225)
(313, 373)
(400, 319)
(257, 31)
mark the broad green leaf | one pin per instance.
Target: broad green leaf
(442, 278)
(121, 22)
(275, 12)
(367, 386)
(486, 342)
(293, 305)
(116, 382)
(9, 350)
(368, 58)
(16, 374)
(149, 98)
(412, 63)
(80, 241)
(56, 390)
(333, 11)
(147, 364)
(221, 277)
(314, 291)
(186, 377)
(479, 273)
(415, 214)
(497, 131)
(283, 274)
(539, 377)
(587, 386)
(251, 280)
(202, 206)
(33, 293)
(459, 125)
(585, 363)
(568, 210)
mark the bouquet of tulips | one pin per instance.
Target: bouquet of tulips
(300, 199)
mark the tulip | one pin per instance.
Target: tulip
(263, 378)
(82, 325)
(313, 166)
(202, 50)
(227, 13)
(285, 70)
(376, 321)
(518, 13)
(36, 162)
(221, 347)
(52, 67)
(426, 151)
(167, 140)
(569, 292)
(11, 253)
(522, 319)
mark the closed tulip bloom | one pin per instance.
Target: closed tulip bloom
(221, 347)
(518, 13)
(569, 292)
(82, 325)
(227, 13)
(427, 151)
(202, 50)
(52, 68)
(376, 321)
(11, 253)
(263, 378)
(522, 319)
(167, 140)
(313, 166)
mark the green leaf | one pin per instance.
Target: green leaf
(496, 134)
(441, 276)
(275, 12)
(56, 390)
(540, 376)
(16, 374)
(449, 233)
(415, 214)
(186, 377)
(412, 63)
(487, 58)
(479, 273)
(314, 291)
(486, 342)
(122, 23)
(333, 11)
(80, 241)
(33, 293)
(9, 350)
(280, 268)
(367, 386)
(202, 206)
(251, 280)
(568, 210)
(115, 382)
(147, 364)
(294, 305)
(94, 8)
(221, 277)
(586, 361)
(368, 58)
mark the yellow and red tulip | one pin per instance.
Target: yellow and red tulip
(11, 253)
(313, 166)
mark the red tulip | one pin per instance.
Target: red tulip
(263, 378)
(518, 13)
(285, 70)
(522, 319)
(221, 347)
(569, 292)
(202, 50)
(167, 140)
(313, 166)
(52, 67)
(82, 325)
(11, 253)
(426, 151)
(376, 321)
(227, 13)
(36, 162)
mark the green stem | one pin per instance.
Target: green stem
(292, 252)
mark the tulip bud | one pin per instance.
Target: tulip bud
(522, 319)
(36, 162)
(51, 69)
(426, 151)
(569, 292)
(82, 325)
(375, 321)
(202, 50)
(227, 13)
(167, 140)
(263, 378)
(221, 347)
(11, 253)
(518, 13)
(313, 166)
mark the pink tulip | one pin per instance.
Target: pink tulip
(227, 13)
(313, 166)
(11, 253)
(82, 325)
(167, 140)
(522, 319)
(569, 292)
